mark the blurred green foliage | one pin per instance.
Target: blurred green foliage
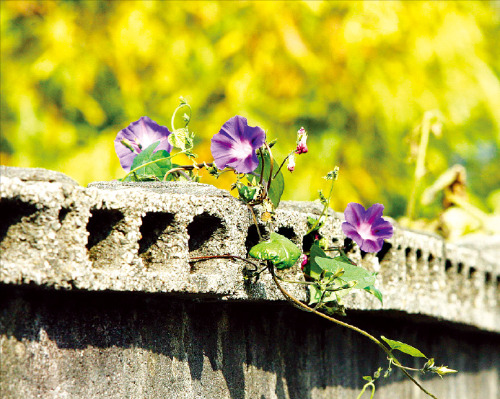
(357, 75)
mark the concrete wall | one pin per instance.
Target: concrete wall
(99, 300)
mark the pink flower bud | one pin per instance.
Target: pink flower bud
(291, 163)
(301, 141)
(303, 261)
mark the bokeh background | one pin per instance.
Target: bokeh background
(359, 76)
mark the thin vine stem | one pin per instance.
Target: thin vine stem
(175, 112)
(271, 162)
(261, 153)
(255, 221)
(283, 163)
(325, 208)
(202, 258)
(302, 306)
(368, 384)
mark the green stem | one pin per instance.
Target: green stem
(302, 306)
(271, 160)
(325, 208)
(368, 384)
(175, 112)
(202, 258)
(261, 153)
(255, 221)
(283, 163)
(186, 167)
(406, 368)
(150, 163)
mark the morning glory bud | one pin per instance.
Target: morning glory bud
(303, 261)
(291, 163)
(301, 141)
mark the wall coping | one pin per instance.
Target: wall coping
(138, 237)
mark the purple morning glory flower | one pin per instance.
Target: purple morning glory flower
(235, 145)
(366, 227)
(138, 136)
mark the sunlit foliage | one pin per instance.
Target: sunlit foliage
(358, 75)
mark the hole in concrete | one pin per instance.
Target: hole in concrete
(63, 212)
(430, 258)
(253, 237)
(498, 282)
(487, 277)
(419, 255)
(308, 241)
(448, 266)
(101, 224)
(348, 244)
(153, 226)
(408, 252)
(472, 272)
(201, 230)
(384, 251)
(288, 232)
(13, 212)
(460, 268)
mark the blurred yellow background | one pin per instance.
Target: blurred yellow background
(359, 76)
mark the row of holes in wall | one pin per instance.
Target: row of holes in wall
(203, 227)
(103, 221)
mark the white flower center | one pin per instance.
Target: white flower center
(242, 149)
(365, 231)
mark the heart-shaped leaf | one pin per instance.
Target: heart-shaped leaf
(279, 250)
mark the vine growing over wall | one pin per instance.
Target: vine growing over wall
(147, 150)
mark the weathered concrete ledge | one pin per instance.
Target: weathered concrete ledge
(140, 237)
(98, 299)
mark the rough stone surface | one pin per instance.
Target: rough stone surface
(127, 345)
(140, 237)
(36, 174)
(100, 298)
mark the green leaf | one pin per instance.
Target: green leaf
(312, 269)
(333, 308)
(279, 250)
(314, 294)
(375, 292)
(363, 277)
(164, 165)
(402, 347)
(312, 221)
(144, 156)
(181, 138)
(247, 193)
(154, 171)
(277, 185)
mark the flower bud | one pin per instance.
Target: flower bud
(443, 370)
(303, 261)
(291, 163)
(301, 141)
